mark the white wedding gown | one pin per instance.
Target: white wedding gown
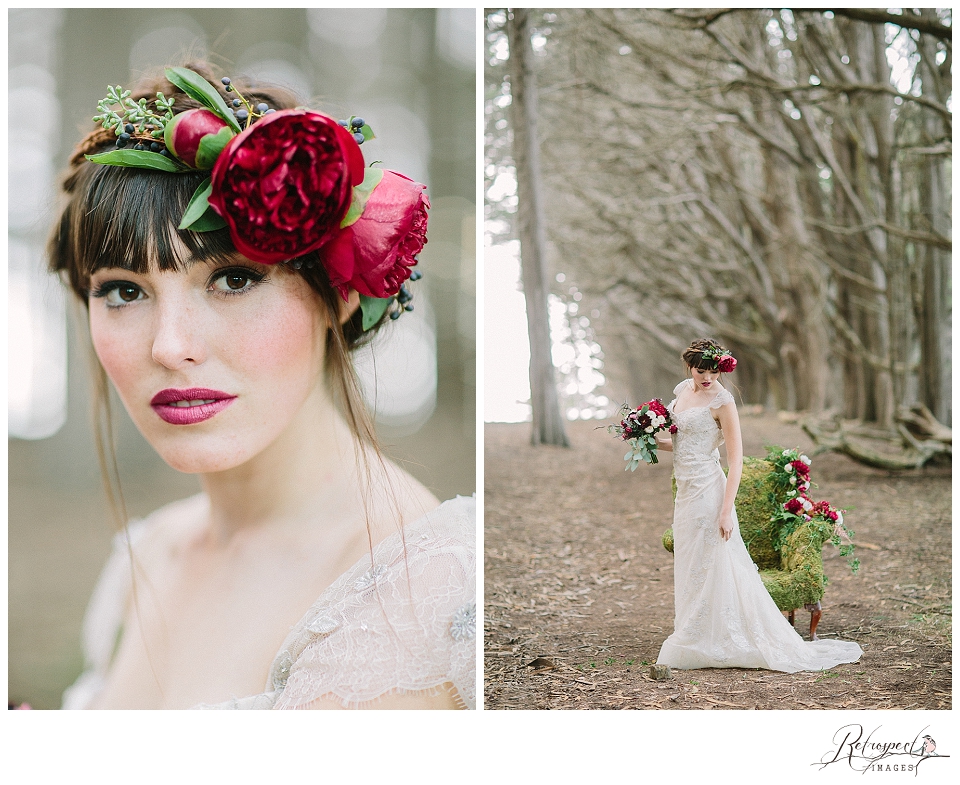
(724, 616)
(406, 624)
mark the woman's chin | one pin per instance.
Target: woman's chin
(200, 456)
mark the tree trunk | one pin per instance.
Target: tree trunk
(548, 426)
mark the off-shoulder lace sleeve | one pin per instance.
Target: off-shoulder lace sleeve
(680, 387)
(103, 619)
(723, 397)
(406, 624)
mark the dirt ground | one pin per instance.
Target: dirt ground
(579, 590)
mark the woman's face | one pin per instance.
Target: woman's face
(703, 379)
(212, 363)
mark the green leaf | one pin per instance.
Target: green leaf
(367, 132)
(198, 204)
(139, 159)
(371, 179)
(201, 90)
(211, 146)
(210, 221)
(373, 309)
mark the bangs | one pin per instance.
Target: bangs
(126, 217)
(704, 365)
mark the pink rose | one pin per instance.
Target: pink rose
(374, 255)
(182, 136)
(284, 185)
(726, 363)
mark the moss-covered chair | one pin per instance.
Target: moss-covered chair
(794, 576)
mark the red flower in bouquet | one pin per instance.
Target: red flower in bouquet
(375, 254)
(640, 427)
(284, 185)
(726, 363)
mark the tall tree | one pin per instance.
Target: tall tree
(548, 425)
(776, 179)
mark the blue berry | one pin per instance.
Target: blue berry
(343, 123)
(226, 80)
(121, 143)
(138, 146)
(408, 307)
(415, 275)
(242, 114)
(262, 108)
(154, 147)
(359, 137)
(235, 102)
(357, 122)
(394, 315)
(270, 111)
(124, 137)
(128, 128)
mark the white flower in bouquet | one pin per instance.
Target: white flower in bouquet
(793, 480)
(807, 505)
(648, 429)
(805, 459)
(788, 468)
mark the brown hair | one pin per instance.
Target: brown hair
(693, 354)
(127, 217)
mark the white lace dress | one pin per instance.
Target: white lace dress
(724, 616)
(407, 624)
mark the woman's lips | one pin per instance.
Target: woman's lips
(193, 405)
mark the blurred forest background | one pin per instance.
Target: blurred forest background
(411, 74)
(777, 179)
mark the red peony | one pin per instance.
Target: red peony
(657, 406)
(374, 255)
(726, 363)
(801, 468)
(673, 429)
(284, 185)
(794, 506)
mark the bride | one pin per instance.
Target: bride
(724, 616)
(311, 573)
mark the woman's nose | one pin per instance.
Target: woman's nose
(178, 338)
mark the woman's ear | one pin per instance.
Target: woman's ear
(349, 308)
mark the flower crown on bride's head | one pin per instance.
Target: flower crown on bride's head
(284, 183)
(718, 357)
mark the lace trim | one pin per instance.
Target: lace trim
(403, 626)
(406, 625)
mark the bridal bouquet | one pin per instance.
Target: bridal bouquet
(640, 427)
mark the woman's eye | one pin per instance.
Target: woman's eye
(118, 293)
(235, 281)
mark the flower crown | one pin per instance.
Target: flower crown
(720, 358)
(285, 183)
